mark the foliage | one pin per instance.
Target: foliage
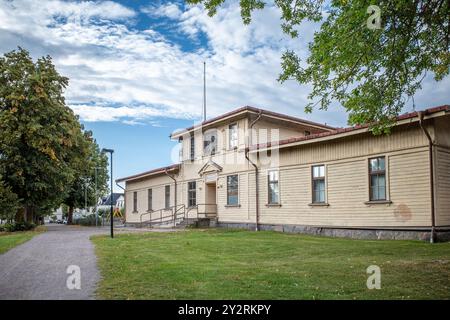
(17, 226)
(40, 136)
(103, 212)
(373, 73)
(88, 221)
(9, 203)
(91, 178)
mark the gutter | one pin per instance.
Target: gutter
(430, 156)
(256, 171)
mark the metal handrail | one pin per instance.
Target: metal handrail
(202, 204)
(173, 214)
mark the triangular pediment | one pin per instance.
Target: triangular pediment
(209, 166)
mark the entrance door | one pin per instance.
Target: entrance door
(210, 198)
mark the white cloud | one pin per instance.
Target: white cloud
(119, 73)
(132, 115)
(168, 10)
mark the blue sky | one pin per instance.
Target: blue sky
(135, 68)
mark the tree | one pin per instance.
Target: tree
(39, 135)
(91, 178)
(371, 71)
(9, 203)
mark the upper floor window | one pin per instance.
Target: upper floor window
(210, 142)
(135, 201)
(307, 133)
(192, 193)
(192, 148)
(377, 178)
(233, 136)
(273, 186)
(233, 190)
(167, 197)
(318, 184)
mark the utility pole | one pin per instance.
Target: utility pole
(110, 151)
(96, 196)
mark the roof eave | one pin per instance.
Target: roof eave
(148, 174)
(403, 119)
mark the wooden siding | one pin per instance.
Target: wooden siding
(239, 213)
(366, 144)
(442, 129)
(157, 184)
(347, 192)
(442, 169)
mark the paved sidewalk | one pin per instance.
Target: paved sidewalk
(37, 268)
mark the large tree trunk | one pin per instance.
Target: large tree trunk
(70, 215)
(20, 215)
(29, 216)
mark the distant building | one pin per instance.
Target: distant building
(118, 201)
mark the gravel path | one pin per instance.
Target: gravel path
(37, 269)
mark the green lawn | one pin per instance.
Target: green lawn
(10, 240)
(221, 264)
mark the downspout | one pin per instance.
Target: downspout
(175, 182)
(430, 156)
(256, 171)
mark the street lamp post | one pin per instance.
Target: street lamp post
(110, 151)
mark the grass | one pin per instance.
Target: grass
(221, 264)
(9, 240)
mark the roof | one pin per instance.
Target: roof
(247, 109)
(150, 173)
(107, 200)
(342, 131)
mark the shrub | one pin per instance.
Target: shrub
(17, 226)
(88, 221)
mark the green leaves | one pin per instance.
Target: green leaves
(42, 145)
(373, 73)
(9, 203)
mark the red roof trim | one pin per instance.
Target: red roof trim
(256, 110)
(404, 116)
(151, 172)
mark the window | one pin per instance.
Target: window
(377, 179)
(192, 193)
(150, 199)
(307, 133)
(274, 191)
(232, 190)
(135, 201)
(192, 148)
(167, 197)
(318, 184)
(209, 142)
(233, 136)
